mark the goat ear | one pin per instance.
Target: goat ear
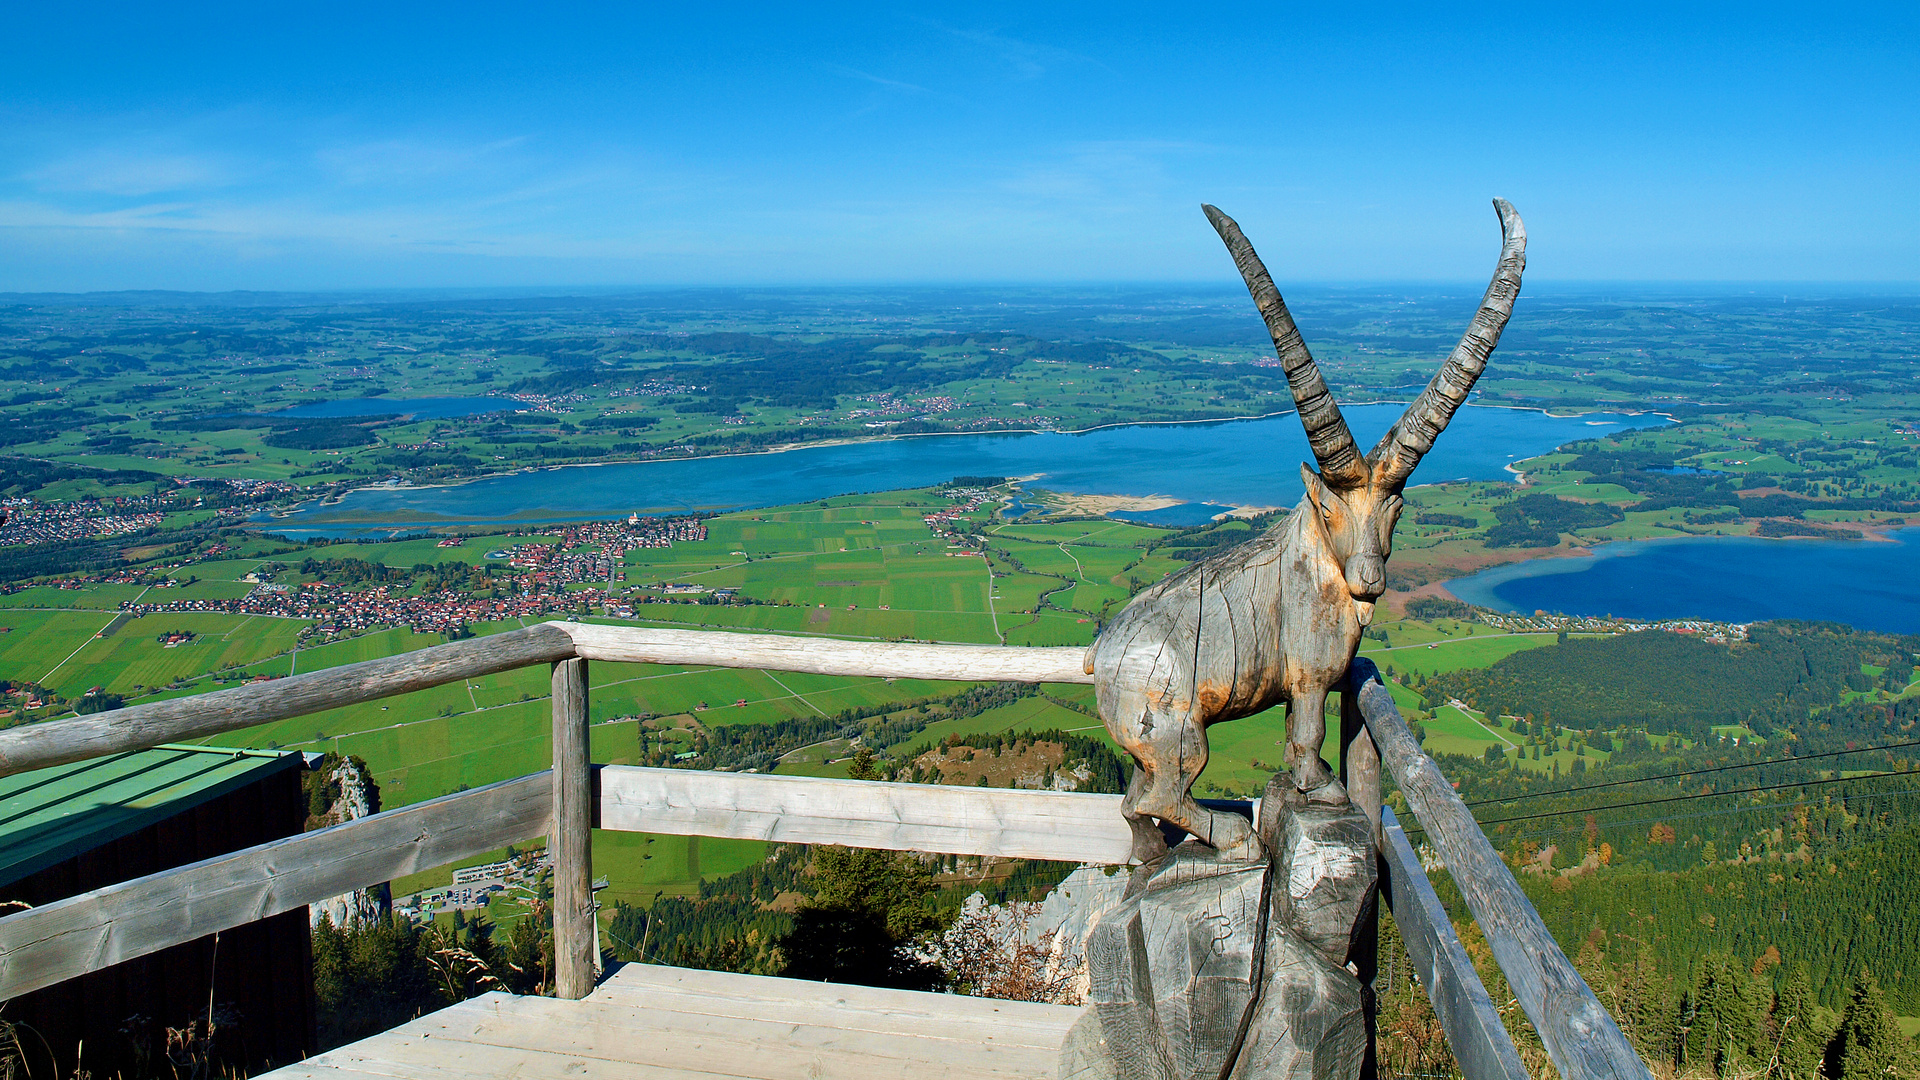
(1316, 489)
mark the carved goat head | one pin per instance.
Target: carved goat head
(1358, 497)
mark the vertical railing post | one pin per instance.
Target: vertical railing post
(571, 842)
(1360, 772)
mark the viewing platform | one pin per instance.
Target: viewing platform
(658, 1023)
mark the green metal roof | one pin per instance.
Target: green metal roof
(50, 815)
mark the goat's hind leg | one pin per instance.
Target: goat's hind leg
(1168, 795)
(1149, 843)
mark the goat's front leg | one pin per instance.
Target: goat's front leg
(1306, 734)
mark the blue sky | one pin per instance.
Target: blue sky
(348, 146)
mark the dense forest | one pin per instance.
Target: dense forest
(1665, 683)
(1698, 863)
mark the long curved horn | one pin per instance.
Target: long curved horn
(1333, 445)
(1413, 434)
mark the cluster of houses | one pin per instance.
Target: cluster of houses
(885, 404)
(966, 501)
(25, 521)
(335, 610)
(596, 551)
(474, 886)
(655, 388)
(547, 585)
(1720, 633)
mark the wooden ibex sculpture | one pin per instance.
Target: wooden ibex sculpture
(1278, 618)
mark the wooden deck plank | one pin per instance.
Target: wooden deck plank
(653, 1023)
(409, 1056)
(752, 1049)
(864, 1008)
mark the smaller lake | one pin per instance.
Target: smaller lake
(425, 408)
(1872, 584)
(1179, 517)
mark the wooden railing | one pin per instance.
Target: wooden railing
(67, 938)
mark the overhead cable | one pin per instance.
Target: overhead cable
(1697, 772)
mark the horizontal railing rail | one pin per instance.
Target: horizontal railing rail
(137, 727)
(60, 940)
(1063, 826)
(67, 938)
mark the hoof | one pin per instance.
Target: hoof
(1332, 793)
(1149, 843)
(1249, 850)
(1312, 775)
(1240, 843)
(1146, 851)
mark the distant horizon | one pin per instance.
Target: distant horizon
(1629, 289)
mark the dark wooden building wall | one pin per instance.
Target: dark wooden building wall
(258, 978)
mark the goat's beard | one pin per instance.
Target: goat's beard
(1363, 611)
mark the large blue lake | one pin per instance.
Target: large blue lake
(1866, 583)
(1208, 466)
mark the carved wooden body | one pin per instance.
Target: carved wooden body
(1268, 622)
(1277, 619)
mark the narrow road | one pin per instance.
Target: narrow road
(795, 693)
(96, 636)
(990, 609)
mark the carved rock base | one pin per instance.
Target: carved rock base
(1211, 968)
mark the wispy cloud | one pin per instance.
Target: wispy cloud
(891, 84)
(400, 160)
(1026, 59)
(130, 172)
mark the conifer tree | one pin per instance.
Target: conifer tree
(1796, 1027)
(1868, 1043)
(1724, 1023)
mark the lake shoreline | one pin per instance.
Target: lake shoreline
(858, 440)
(1239, 466)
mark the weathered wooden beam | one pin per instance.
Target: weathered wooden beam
(574, 941)
(67, 938)
(828, 656)
(1359, 760)
(1062, 825)
(1579, 1035)
(137, 727)
(1360, 772)
(1479, 1041)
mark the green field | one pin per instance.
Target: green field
(861, 567)
(858, 567)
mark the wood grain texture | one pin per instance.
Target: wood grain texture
(1062, 825)
(649, 1023)
(1359, 761)
(847, 1006)
(1479, 1041)
(1360, 772)
(1579, 1035)
(36, 746)
(826, 656)
(67, 938)
(575, 950)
